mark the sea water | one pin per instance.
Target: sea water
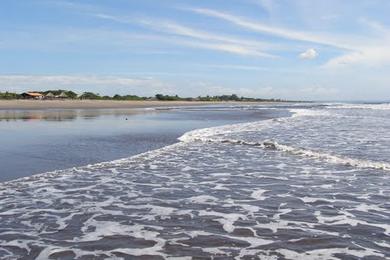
(36, 141)
(314, 185)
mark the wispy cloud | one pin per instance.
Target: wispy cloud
(205, 39)
(273, 30)
(175, 28)
(358, 49)
(373, 52)
(236, 67)
(368, 56)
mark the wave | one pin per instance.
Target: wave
(335, 159)
(219, 135)
(330, 158)
(382, 106)
(204, 134)
(310, 112)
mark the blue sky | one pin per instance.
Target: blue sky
(302, 49)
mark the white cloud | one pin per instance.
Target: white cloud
(309, 54)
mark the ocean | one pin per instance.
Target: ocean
(310, 182)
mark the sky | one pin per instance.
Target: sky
(300, 50)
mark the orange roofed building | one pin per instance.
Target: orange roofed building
(32, 95)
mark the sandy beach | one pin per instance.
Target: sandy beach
(98, 104)
(90, 104)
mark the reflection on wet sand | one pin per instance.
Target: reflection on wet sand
(65, 114)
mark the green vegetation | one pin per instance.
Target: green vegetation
(167, 97)
(90, 95)
(70, 94)
(53, 94)
(234, 97)
(128, 97)
(8, 95)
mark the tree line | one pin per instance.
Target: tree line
(161, 97)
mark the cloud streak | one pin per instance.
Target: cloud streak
(204, 39)
(272, 30)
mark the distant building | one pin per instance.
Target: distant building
(49, 96)
(62, 95)
(32, 95)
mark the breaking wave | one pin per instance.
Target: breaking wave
(382, 106)
(334, 159)
(221, 135)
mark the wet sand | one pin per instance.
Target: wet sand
(99, 104)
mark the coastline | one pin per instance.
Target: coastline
(105, 104)
(49, 139)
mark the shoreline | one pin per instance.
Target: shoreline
(105, 104)
(79, 137)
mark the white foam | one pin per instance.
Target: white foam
(258, 194)
(226, 219)
(309, 112)
(327, 254)
(281, 212)
(384, 106)
(220, 186)
(383, 244)
(333, 158)
(346, 218)
(212, 133)
(161, 211)
(203, 199)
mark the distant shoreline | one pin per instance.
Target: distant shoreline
(107, 104)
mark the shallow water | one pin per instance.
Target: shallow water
(36, 141)
(312, 186)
